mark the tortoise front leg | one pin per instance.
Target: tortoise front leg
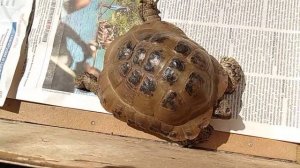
(88, 82)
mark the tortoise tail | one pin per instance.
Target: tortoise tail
(148, 10)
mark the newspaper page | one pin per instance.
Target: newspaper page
(70, 37)
(14, 17)
(264, 37)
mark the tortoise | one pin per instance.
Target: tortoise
(161, 82)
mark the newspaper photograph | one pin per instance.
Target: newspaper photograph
(70, 37)
(14, 16)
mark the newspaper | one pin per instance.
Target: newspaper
(14, 17)
(68, 38)
(264, 37)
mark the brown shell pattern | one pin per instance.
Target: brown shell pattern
(162, 74)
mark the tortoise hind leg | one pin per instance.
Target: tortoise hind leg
(203, 136)
(222, 110)
(88, 82)
(234, 72)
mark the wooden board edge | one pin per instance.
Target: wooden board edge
(99, 122)
(26, 143)
(10, 162)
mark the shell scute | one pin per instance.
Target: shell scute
(177, 64)
(194, 84)
(125, 69)
(148, 86)
(170, 75)
(135, 77)
(183, 48)
(125, 52)
(153, 60)
(139, 56)
(170, 101)
(159, 38)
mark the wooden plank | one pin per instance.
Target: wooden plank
(57, 147)
(98, 122)
(298, 154)
(9, 164)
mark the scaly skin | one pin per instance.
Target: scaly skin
(234, 71)
(148, 10)
(87, 81)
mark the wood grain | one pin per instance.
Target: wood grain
(57, 147)
(98, 122)
(298, 154)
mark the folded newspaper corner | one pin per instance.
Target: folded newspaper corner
(14, 21)
(68, 38)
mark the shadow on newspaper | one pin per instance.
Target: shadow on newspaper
(218, 138)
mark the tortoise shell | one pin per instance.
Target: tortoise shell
(158, 80)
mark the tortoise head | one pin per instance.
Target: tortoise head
(148, 10)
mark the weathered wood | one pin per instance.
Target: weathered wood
(98, 122)
(57, 147)
(9, 164)
(298, 154)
